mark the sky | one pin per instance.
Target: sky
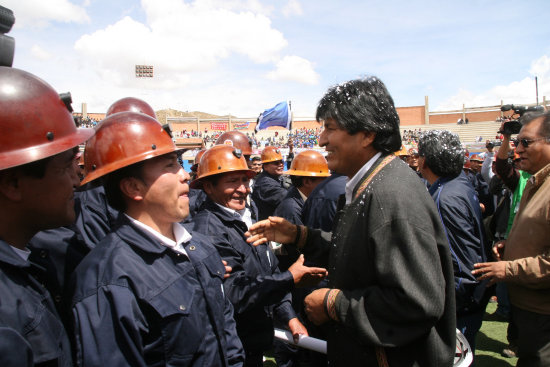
(240, 57)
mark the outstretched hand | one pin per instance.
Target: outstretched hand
(305, 276)
(272, 229)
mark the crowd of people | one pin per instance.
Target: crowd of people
(116, 256)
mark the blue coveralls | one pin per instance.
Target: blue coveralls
(27, 308)
(267, 193)
(255, 287)
(139, 303)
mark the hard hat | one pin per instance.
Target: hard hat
(123, 139)
(236, 139)
(131, 104)
(35, 123)
(221, 159)
(476, 158)
(309, 163)
(199, 155)
(197, 160)
(402, 152)
(271, 154)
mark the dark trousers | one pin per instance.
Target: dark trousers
(469, 325)
(533, 338)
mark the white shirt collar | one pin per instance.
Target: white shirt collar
(304, 198)
(24, 254)
(180, 233)
(245, 215)
(350, 185)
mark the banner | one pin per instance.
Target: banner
(218, 126)
(241, 126)
(280, 115)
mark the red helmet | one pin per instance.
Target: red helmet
(35, 122)
(271, 154)
(123, 139)
(131, 104)
(237, 140)
(309, 163)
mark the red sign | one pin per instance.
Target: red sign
(218, 126)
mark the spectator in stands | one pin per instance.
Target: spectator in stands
(523, 258)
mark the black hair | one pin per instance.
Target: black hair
(442, 151)
(363, 105)
(298, 181)
(111, 182)
(255, 158)
(544, 129)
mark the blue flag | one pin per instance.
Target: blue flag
(280, 115)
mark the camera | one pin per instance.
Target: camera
(7, 43)
(514, 126)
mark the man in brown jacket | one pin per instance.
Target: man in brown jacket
(525, 262)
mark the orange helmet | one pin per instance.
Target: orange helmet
(131, 104)
(35, 122)
(309, 163)
(237, 140)
(271, 154)
(476, 158)
(221, 159)
(199, 155)
(123, 139)
(197, 160)
(403, 152)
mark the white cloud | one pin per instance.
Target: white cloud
(293, 7)
(180, 38)
(516, 92)
(39, 13)
(40, 53)
(295, 68)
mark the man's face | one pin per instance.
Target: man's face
(255, 166)
(344, 150)
(413, 161)
(537, 154)
(166, 198)
(50, 200)
(475, 166)
(230, 191)
(274, 168)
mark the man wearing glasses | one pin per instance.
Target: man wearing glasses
(524, 258)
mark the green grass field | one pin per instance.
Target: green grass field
(491, 340)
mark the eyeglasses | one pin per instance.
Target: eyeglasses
(526, 142)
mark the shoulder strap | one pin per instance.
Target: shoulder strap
(373, 173)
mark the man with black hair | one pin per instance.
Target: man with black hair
(524, 257)
(441, 160)
(391, 296)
